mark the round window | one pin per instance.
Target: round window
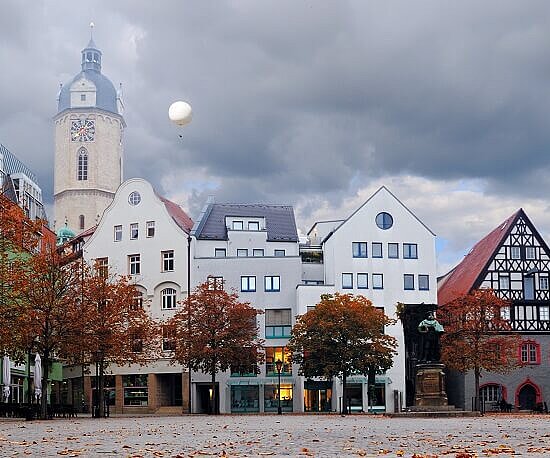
(134, 198)
(384, 220)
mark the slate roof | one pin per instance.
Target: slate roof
(463, 277)
(279, 220)
(178, 215)
(105, 92)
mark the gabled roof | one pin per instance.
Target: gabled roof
(178, 215)
(463, 277)
(279, 220)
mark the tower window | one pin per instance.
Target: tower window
(81, 222)
(82, 97)
(82, 169)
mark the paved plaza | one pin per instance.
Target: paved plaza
(290, 435)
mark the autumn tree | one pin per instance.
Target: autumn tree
(113, 327)
(342, 335)
(47, 309)
(477, 337)
(214, 331)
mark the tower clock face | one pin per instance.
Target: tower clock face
(82, 130)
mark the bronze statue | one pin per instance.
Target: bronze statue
(430, 329)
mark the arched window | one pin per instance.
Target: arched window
(82, 168)
(168, 297)
(81, 222)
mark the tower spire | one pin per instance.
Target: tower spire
(91, 56)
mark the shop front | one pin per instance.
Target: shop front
(317, 396)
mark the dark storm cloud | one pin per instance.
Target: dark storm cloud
(296, 100)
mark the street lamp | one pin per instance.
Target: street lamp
(279, 365)
(180, 113)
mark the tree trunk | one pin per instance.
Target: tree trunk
(101, 389)
(44, 398)
(344, 394)
(371, 384)
(213, 399)
(477, 376)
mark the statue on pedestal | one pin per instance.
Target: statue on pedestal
(430, 329)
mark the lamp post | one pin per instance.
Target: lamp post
(180, 113)
(279, 365)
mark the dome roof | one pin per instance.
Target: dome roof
(64, 234)
(106, 95)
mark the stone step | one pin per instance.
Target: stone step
(435, 414)
(169, 410)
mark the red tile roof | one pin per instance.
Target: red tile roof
(462, 278)
(178, 215)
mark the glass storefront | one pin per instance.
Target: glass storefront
(317, 396)
(136, 393)
(354, 393)
(245, 398)
(271, 398)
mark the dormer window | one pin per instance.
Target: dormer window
(253, 226)
(237, 225)
(82, 97)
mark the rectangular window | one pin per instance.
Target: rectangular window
(248, 284)
(376, 250)
(279, 253)
(543, 283)
(242, 252)
(272, 283)
(410, 251)
(377, 281)
(347, 281)
(359, 249)
(408, 281)
(424, 282)
(362, 281)
(529, 353)
(544, 313)
(219, 252)
(393, 250)
(515, 252)
(134, 231)
(168, 341)
(82, 97)
(257, 252)
(505, 312)
(102, 266)
(237, 226)
(529, 252)
(278, 323)
(503, 282)
(274, 354)
(272, 394)
(118, 233)
(150, 228)
(253, 226)
(215, 282)
(167, 260)
(135, 390)
(134, 264)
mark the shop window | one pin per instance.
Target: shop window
(245, 398)
(136, 392)
(272, 394)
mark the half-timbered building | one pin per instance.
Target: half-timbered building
(514, 261)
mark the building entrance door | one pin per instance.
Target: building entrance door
(317, 396)
(170, 390)
(527, 397)
(204, 398)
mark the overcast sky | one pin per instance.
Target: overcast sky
(309, 103)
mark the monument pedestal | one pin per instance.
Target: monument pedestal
(430, 391)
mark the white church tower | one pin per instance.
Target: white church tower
(88, 145)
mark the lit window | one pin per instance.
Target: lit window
(237, 225)
(167, 260)
(279, 253)
(347, 281)
(134, 198)
(215, 283)
(82, 171)
(504, 282)
(219, 252)
(529, 252)
(257, 252)
(168, 298)
(274, 354)
(248, 283)
(543, 283)
(362, 281)
(134, 231)
(544, 313)
(377, 281)
(515, 252)
(272, 283)
(410, 251)
(376, 250)
(118, 233)
(359, 249)
(384, 220)
(408, 281)
(150, 228)
(278, 323)
(242, 252)
(423, 282)
(134, 264)
(253, 226)
(393, 250)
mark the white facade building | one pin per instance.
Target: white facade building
(384, 252)
(146, 236)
